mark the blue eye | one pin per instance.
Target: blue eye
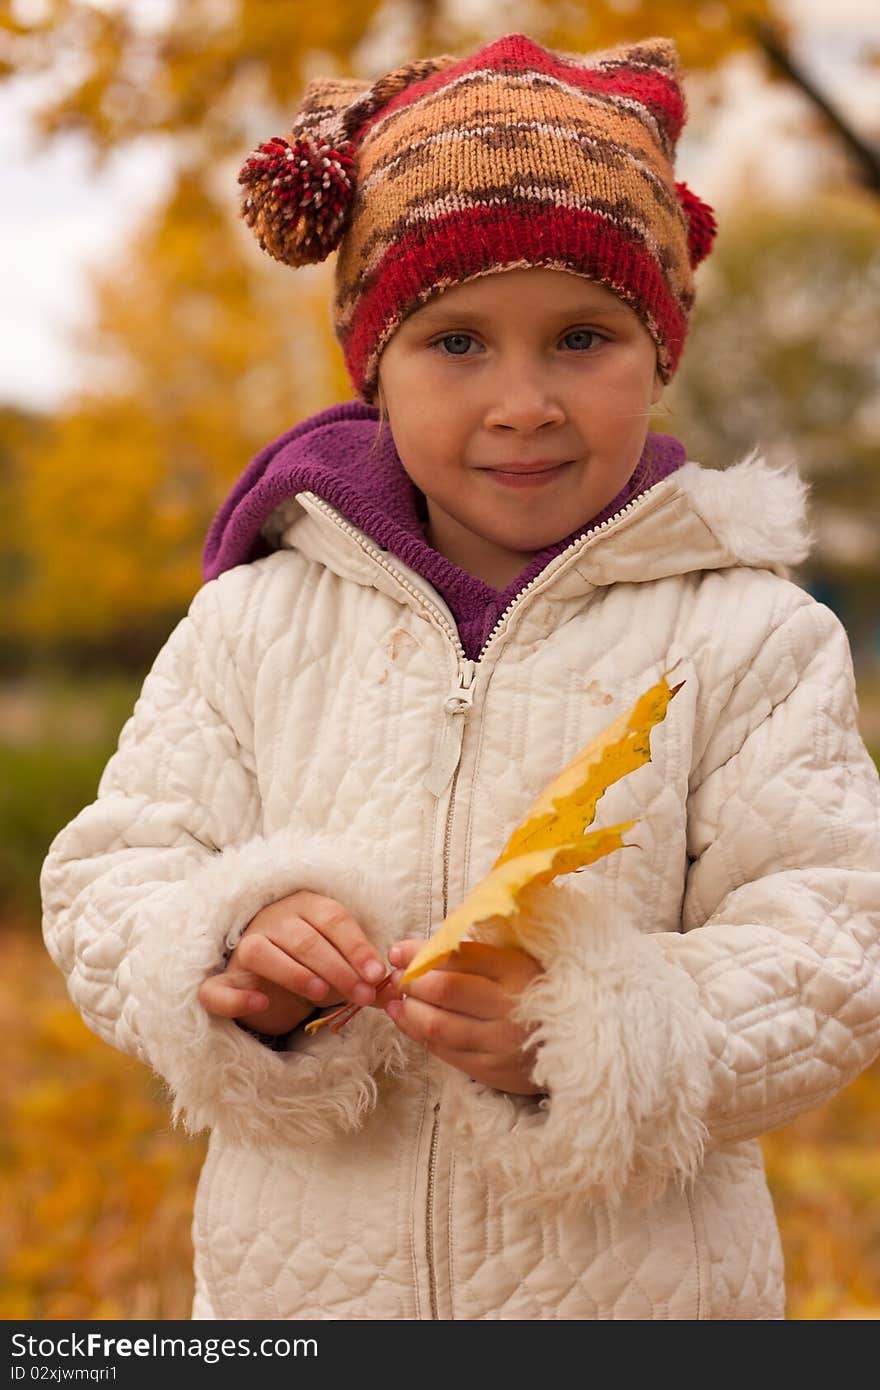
(451, 338)
(466, 338)
(583, 333)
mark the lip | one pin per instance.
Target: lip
(528, 474)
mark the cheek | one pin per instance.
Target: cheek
(425, 425)
(420, 450)
(627, 403)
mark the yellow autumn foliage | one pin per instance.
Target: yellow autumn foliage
(95, 1188)
(207, 71)
(199, 362)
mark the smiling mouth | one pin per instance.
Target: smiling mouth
(527, 477)
(527, 469)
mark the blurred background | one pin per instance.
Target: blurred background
(151, 349)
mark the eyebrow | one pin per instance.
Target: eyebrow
(430, 312)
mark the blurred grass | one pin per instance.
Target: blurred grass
(41, 789)
(99, 1190)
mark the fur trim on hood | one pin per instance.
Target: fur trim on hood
(757, 511)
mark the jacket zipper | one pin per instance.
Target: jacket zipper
(457, 707)
(429, 1213)
(439, 616)
(458, 703)
(432, 1152)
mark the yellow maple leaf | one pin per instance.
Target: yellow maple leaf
(550, 840)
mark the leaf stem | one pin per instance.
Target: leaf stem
(342, 1015)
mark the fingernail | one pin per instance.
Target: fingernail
(394, 955)
(363, 994)
(373, 971)
(316, 989)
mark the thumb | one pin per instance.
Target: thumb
(402, 952)
(222, 998)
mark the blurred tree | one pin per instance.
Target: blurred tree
(784, 354)
(198, 362)
(209, 72)
(203, 348)
(864, 154)
(22, 433)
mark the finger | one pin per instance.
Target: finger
(308, 966)
(474, 957)
(492, 962)
(224, 1000)
(509, 966)
(345, 934)
(402, 952)
(472, 995)
(388, 992)
(309, 946)
(438, 1028)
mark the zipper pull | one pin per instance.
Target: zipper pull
(457, 708)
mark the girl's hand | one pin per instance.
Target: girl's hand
(461, 1009)
(298, 952)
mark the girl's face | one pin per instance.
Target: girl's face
(517, 367)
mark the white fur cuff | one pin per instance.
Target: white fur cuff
(622, 1056)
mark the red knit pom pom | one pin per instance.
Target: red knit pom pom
(702, 227)
(298, 193)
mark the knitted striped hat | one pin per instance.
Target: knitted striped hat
(450, 168)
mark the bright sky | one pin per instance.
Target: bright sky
(60, 216)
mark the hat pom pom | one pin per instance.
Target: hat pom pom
(702, 227)
(297, 194)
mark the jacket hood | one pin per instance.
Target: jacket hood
(751, 513)
(756, 511)
(339, 455)
(673, 516)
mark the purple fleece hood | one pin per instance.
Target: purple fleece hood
(329, 454)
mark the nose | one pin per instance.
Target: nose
(523, 400)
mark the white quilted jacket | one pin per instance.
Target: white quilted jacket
(313, 723)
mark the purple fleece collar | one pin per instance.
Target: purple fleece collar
(329, 454)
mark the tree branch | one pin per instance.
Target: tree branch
(867, 156)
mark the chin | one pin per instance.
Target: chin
(538, 538)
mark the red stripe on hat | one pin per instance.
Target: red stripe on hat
(461, 244)
(653, 87)
(516, 53)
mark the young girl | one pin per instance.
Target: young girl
(411, 621)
